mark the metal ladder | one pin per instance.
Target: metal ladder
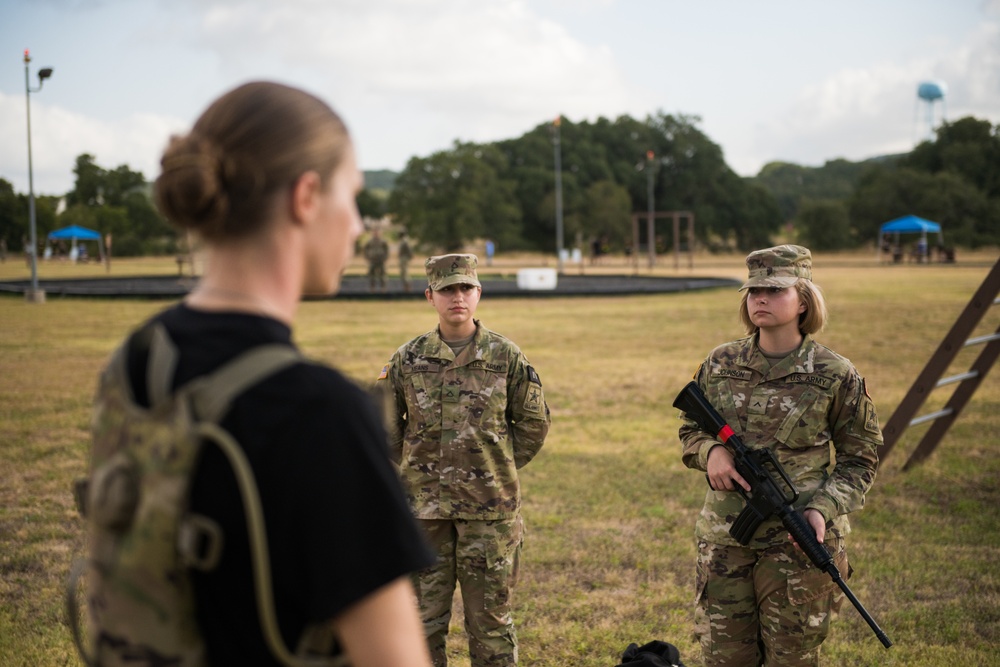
(930, 378)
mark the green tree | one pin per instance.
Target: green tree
(966, 215)
(791, 184)
(118, 202)
(824, 224)
(453, 197)
(969, 148)
(88, 189)
(13, 216)
(118, 184)
(370, 205)
(607, 212)
(689, 174)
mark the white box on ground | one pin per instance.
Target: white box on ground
(536, 279)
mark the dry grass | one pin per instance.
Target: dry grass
(609, 507)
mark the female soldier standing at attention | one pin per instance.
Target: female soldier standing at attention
(765, 603)
(469, 414)
(267, 179)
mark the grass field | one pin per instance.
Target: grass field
(610, 510)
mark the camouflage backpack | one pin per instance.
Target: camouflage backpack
(143, 539)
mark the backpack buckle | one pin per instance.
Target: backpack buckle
(199, 542)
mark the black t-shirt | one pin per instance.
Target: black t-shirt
(338, 526)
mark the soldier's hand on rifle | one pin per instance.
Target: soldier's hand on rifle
(815, 520)
(722, 475)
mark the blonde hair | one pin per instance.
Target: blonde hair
(811, 321)
(220, 178)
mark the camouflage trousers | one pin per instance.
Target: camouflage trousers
(376, 274)
(764, 607)
(483, 558)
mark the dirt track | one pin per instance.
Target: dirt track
(356, 287)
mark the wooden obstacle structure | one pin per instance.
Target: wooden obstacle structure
(931, 377)
(675, 216)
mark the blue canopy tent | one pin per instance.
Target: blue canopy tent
(908, 224)
(77, 233)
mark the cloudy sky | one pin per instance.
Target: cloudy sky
(803, 81)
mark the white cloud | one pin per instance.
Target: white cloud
(860, 113)
(405, 67)
(58, 136)
(411, 76)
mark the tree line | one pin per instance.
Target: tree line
(506, 191)
(953, 180)
(112, 201)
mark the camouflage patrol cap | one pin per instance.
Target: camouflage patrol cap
(780, 266)
(444, 270)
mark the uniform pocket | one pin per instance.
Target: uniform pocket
(488, 400)
(815, 600)
(813, 583)
(805, 420)
(503, 540)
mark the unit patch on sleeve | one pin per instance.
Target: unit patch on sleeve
(533, 400)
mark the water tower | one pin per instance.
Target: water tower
(928, 93)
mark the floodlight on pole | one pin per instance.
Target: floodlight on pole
(34, 295)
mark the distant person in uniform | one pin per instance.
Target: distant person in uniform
(766, 603)
(376, 252)
(469, 413)
(405, 255)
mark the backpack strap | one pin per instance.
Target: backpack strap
(162, 363)
(212, 396)
(318, 635)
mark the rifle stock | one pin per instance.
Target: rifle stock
(768, 496)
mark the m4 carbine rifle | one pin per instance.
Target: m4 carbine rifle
(771, 493)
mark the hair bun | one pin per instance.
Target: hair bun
(191, 190)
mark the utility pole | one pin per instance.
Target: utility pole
(650, 226)
(559, 202)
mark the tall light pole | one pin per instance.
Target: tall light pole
(650, 224)
(559, 202)
(34, 295)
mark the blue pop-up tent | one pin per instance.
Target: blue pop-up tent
(77, 233)
(909, 224)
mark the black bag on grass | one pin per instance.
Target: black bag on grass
(653, 654)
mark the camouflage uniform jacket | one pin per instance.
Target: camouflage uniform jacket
(405, 251)
(464, 425)
(811, 409)
(376, 250)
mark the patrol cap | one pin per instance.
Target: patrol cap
(444, 270)
(780, 266)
